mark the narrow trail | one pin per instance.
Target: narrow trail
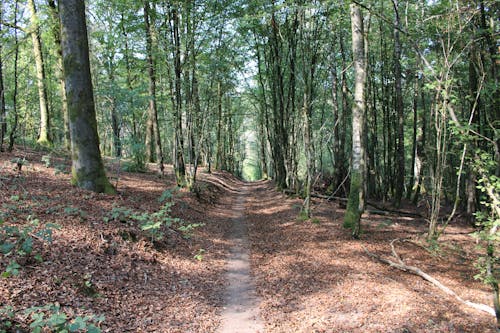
(241, 309)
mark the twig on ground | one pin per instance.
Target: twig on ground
(417, 271)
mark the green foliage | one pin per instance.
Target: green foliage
(18, 241)
(7, 315)
(51, 317)
(303, 216)
(138, 158)
(168, 194)
(120, 214)
(188, 229)
(154, 224)
(46, 160)
(199, 255)
(75, 211)
(488, 218)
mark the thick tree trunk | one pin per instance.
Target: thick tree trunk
(356, 201)
(87, 166)
(44, 133)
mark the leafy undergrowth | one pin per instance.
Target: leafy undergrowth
(149, 259)
(313, 277)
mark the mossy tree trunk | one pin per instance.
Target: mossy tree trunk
(56, 33)
(44, 133)
(88, 168)
(3, 120)
(153, 133)
(400, 153)
(355, 203)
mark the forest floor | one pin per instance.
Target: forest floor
(309, 276)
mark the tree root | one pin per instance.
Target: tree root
(399, 264)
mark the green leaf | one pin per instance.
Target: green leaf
(27, 245)
(57, 319)
(77, 324)
(93, 329)
(12, 268)
(150, 226)
(5, 248)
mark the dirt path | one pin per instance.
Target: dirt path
(241, 311)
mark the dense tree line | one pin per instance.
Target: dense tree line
(390, 100)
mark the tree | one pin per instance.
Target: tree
(44, 137)
(56, 33)
(356, 201)
(400, 153)
(3, 120)
(152, 131)
(87, 166)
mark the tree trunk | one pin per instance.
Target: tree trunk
(179, 166)
(356, 201)
(56, 33)
(400, 153)
(44, 133)
(3, 115)
(12, 134)
(87, 166)
(152, 132)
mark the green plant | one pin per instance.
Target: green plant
(315, 220)
(60, 168)
(74, 211)
(168, 194)
(152, 223)
(87, 287)
(51, 317)
(120, 214)
(46, 160)
(138, 162)
(19, 162)
(199, 255)
(7, 315)
(18, 242)
(187, 230)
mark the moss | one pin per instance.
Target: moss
(44, 141)
(86, 180)
(353, 213)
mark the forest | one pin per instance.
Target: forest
(127, 128)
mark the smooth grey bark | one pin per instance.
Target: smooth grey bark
(356, 201)
(87, 166)
(44, 134)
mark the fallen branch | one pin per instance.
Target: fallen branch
(377, 211)
(417, 271)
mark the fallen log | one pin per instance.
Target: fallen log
(377, 211)
(417, 271)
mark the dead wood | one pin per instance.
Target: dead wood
(417, 271)
(377, 211)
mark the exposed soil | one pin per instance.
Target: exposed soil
(241, 312)
(310, 276)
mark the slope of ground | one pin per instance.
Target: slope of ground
(310, 276)
(313, 277)
(100, 261)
